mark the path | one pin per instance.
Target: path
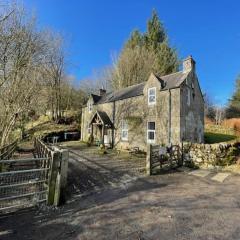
(213, 175)
(91, 173)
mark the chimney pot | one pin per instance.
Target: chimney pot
(102, 91)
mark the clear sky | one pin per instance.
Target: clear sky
(209, 30)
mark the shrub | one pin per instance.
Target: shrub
(233, 123)
(102, 149)
(190, 164)
(90, 140)
(229, 159)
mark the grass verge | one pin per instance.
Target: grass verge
(211, 137)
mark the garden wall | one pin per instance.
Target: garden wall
(219, 154)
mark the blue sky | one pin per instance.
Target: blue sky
(208, 30)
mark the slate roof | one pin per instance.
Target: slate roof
(96, 98)
(173, 80)
(132, 91)
(168, 82)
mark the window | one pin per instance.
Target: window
(124, 133)
(151, 96)
(192, 85)
(188, 97)
(151, 132)
(90, 106)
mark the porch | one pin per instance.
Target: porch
(102, 129)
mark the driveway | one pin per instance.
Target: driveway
(89, 172)
(177, 205)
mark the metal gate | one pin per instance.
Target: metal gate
(23, 183)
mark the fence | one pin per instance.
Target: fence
(7, 151)
(162, 158)
(27, 182)
(58, 165)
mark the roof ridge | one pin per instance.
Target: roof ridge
(170, 74)
(95, 94)
(128, 87)
(132, 85)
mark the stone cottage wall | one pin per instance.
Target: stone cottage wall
(192, 120)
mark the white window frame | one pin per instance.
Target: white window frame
(188, 97)
(149, 95)
(124, 129)
(90, 106)
(151, 130)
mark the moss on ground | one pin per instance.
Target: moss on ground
(112, 153)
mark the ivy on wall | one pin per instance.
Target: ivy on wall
(134, 120)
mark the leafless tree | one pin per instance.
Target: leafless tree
(101, 79)
(28, 57)
(54, 70)
(6, 11)
(219, 115)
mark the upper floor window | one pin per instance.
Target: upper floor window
(151, 132)
(90, 106)
(151, 96)
(188, 97)
(124, 130)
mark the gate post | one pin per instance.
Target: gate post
(53, 175)
(149, 160)
(64, 167)
(61, 180)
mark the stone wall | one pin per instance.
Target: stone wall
(211, 154)
(192, 110)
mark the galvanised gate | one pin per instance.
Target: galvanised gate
(23, 182)
(31, 181)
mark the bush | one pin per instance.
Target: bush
(190, 164)
(90, 140)
(229, 159)
(233, 123)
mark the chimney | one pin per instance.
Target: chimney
(102, 91)
(188, 64)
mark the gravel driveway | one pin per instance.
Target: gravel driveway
(171, 206)
(89, 173)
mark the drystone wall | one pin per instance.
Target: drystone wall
(211, 154)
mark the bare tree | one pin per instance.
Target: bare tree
(54, 71)
(101, 79)
(72, 97)
(6, 10)
(24, 54)
(219, 115)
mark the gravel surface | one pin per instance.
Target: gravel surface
(170, 206)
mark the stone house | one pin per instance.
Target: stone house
(163, 110)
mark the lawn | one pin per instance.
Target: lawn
(211, 137)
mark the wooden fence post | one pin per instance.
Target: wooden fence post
(149, 160)
(64, 167)
(53, 175)
(61, 181)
